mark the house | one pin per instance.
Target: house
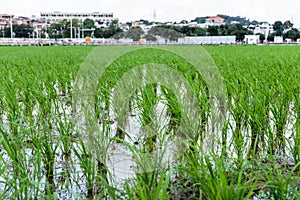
(214, 20)
(264, 28)
(124, 26)
(193, 24)
(251, 39)
(38, 26)
(22, 20)
(5, 20)
(278, 39)
(137, 23)
(235, 22)
(288, 40)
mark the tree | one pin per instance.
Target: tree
(212, 30)
(278, 28)
(262, 37)
(99, 33)
(150, 37)
(66, 27)
(200, 31)
(254, 22)
(55, 30)
(199, 20)
(272, 35)
(287, 25)
(169, 34)
(129, 24)
(75, 26)
(146, 22)
(184, 22)
(115, 23)
(239, 31)
(2, 33)
(293, 34)
(229, 19)
(186, 30)
(112, 32)
(134, 33)
(223, 29)
(88, 24)
(21, 31)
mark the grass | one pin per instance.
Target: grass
(257, 154)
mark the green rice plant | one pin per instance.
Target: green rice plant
(49, 148)
(280, 111)
(147, 102)
(140, 188)
(262, 125)
(11, 105)
(239, 114)
(258, 117)
(94, 172)
(3, 176)
(217, 178)
(173, 109)
(152, 177)
(25, 173)
(282, 183)
(64, 126)
(296, 134)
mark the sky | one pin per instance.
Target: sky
(166, 10)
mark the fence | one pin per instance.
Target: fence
(110, 41)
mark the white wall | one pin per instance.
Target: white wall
(251, 39)
(208, 40)
(278, 39)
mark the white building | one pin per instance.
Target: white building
(207, 40)
(288, 40)
(5, 20)
(96, 16)
(264, 28)
(251, 39)
(215, 20)
(278, 39)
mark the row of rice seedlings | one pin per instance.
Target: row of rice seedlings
(254, 131)
(262, 98)
(147, 102)
(259, 96)
(23, 175)
(146, 99)
(215, 177)
(296, 132)
(31, 96)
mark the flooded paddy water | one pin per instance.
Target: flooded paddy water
(254, 154)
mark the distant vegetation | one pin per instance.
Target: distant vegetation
(234, 25)
(242, 20)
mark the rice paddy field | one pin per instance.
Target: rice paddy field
(254, 152)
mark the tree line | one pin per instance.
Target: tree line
(62, 29)
(286, 30)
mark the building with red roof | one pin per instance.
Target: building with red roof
(215, 20)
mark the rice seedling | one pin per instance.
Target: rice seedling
(258, 153)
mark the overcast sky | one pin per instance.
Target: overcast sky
(166, 10)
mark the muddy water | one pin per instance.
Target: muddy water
(69, 179)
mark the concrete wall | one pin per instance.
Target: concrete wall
(208, 40)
